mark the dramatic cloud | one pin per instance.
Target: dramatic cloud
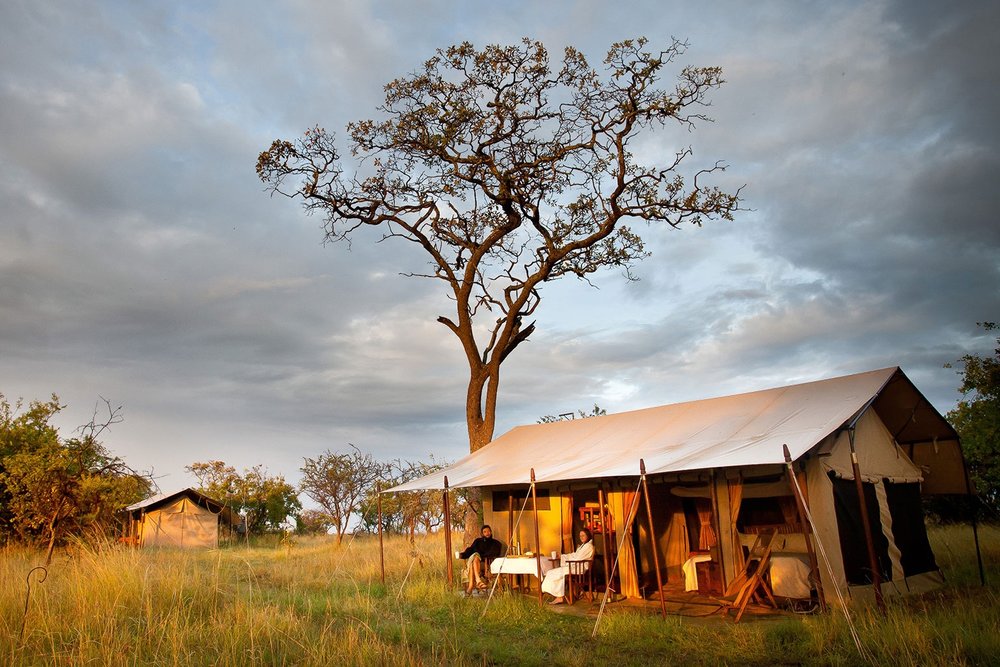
(141, 260)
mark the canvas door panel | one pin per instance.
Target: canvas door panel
(853, 547)
(908, 528)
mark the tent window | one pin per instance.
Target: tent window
(500, 499)
(908, 529)
(851, 529)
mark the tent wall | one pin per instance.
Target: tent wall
(180, 524)
(553, 508)
(890, 482)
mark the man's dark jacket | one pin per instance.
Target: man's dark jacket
(486, 547)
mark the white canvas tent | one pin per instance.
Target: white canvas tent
(726, 451)
(186, 519)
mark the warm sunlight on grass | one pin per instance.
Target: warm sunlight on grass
(318, 604)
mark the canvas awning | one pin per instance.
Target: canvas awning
(732, 431)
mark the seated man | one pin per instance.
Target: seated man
(482, 548)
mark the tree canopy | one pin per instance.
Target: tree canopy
(338, 482)
(51, 487)
(265, 501)
(509, 172)
(977, 420)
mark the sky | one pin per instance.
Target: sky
(143, 262)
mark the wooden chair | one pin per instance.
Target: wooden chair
(750, 584)
(580, 572)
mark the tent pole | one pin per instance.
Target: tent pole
(538, 548)
(601, 499)
(717, 515)
(447, 533)
(866, 524)
(800, 504)
(510, 520)
(652, 538)
(381, 546)
(974, 518)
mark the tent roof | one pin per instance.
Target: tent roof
(198, 497)
(730, 431)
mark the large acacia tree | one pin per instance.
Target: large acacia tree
(509, 172)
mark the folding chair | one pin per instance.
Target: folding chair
(750, 584)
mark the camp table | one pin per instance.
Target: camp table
(520, 565)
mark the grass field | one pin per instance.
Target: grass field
(318, 604)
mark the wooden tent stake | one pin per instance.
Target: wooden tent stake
(866, 524)
(800, 503)
(447, 534)
(652, 538)
(974, 519)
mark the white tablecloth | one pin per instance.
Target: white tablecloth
(790, 576)
(691, 571)
(520, 565)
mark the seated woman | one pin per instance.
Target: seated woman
(555, 579)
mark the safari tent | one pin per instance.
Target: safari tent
(716, 476)
(187, 519)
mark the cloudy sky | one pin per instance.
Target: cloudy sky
(142, 261)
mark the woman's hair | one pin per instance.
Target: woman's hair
(590, 535)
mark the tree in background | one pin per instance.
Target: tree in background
(508, 174)
(52, 488)
(338, 482)
(265, 501)
(411, 512)
(312, 522)
(977, 420)
(597, 411)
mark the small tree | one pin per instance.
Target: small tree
(977, 420)
(597, 411)
(412, 511)
(312, 522)
(265, 501)
(55, 488)
(508, 174)
(338, 483)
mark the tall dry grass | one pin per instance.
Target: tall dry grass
(318, 604)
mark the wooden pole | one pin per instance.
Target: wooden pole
(974, 503)
(510, 521)
(717, 515)
(800, 505)
(538, 554)
(381, 546)
(866, 525)
(447, 533)
(602, 500)
(652, 538)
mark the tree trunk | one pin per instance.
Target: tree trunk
(480, 417)
(52, 531)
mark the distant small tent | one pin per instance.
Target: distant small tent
(187, 519)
